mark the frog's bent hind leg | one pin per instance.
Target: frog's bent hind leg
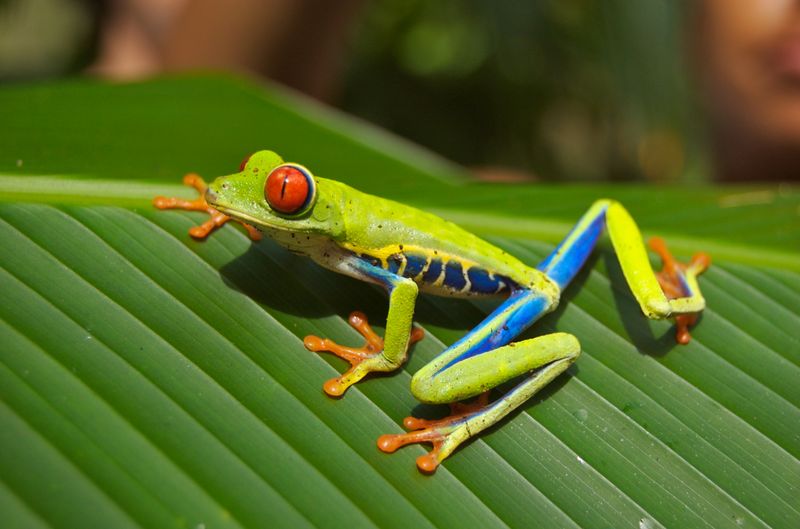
(479, 361)
(545, 357)
(679, 280)
(673, 293)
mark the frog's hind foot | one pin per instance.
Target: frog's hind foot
(199, 204)
(675, 279)
(444, 434)
(362, 360)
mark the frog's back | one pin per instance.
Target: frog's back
(441, 257)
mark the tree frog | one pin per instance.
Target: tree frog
(405, 251)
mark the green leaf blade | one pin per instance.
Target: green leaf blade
(157, 381)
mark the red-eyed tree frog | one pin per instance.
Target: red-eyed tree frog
(405, 251)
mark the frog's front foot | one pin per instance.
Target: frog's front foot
(199, 204)
(444, 434)
(363, 360)
(675, 278)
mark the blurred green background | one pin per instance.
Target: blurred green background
(550, 90)
(564, 89)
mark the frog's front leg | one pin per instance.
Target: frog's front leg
(378, 354)
(199, 204)
(479, 362)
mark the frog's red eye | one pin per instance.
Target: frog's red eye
(244, 162)
(290, 189)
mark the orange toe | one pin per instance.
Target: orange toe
(199, 204)
(671, 278)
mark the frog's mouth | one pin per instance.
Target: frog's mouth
(294, 238)
(280, 226)
(238, 215)
(212, 199)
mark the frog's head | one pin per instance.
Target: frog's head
(277, 196)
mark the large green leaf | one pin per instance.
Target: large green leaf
(150, 380)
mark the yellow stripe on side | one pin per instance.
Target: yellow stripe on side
(403, 264)
(418, 278)
(386, 251)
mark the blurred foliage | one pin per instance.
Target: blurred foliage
(45, 38)
(561, 89)
(564, 89)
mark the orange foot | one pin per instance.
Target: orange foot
(199, 204)
(671, 279)
(362, 359)
(445, 434)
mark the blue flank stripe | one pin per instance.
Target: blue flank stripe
(414, 265)
(480, 282)
(433, 272)
(454, 276)
(510, 319)
(562, 267)
(393, 262)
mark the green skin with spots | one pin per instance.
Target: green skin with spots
(356, 234)
(358, 222)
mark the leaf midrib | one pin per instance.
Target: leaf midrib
(60, 189)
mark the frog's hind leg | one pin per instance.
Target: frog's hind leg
(544, 357)
(673, 293)
(482, 360)
(679, 280)
(199, 204)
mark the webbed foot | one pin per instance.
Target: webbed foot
(362, 360)
(199, 204)
(673, 280)
(444, 434)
